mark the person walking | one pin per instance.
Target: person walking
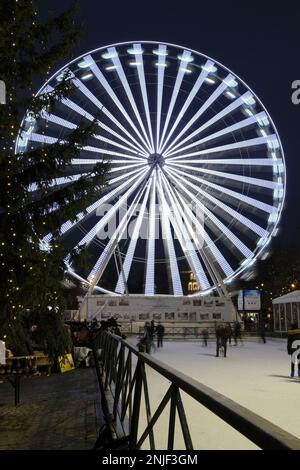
(228, 332)
(293, 346)
(262, 330)
(237, 333)
(160, 331)
(221, 340)
(205, 335)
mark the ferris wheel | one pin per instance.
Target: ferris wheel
(197, 170)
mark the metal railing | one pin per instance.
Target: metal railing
(123, 380)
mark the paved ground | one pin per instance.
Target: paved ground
(60, 412)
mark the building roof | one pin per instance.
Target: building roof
(288, 298)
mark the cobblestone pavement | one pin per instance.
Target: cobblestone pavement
(59, 412)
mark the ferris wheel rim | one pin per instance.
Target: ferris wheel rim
(239, 271)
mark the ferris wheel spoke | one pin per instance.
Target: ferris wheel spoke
(199, 82)
(180, 74)
(58, 181)
(45, 139)
(236, 215)
(275, 162)
(141, 74)
(243, 179)
(70, 125)
(269, 140)
(168, 240)
(111, 212)
(120, 286)
(81, 87)
(93, 149)
(235, 105)
(248, 122)
(138, 151)
(216, 221)
(199, 229)
(123, 147)
(180, 226)
(150, 263)
(97, 72)
(82, 112)
(129, 179)
(161, 64)
(99, 267)
(234, 194)
(221, 88)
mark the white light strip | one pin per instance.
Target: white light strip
(150, 266)
(125, 84)
(58, 120)
(167, 237)
(224, 132)
(179, 78)
(105, 219)
(234, 161)
(141, 75)
(160, 83)
(127, 167)
(185, 239)
(70, 104)
(236, 215)
(98, 269)
(221, 88)
(120, 287)
(83, 88)
(228, 110)
(66, 226)
(223, 263)
(115, 134)
(234, 146)
(240, 197)
(223, 229)
(58, 181)
(116, 144)
(90, 148)
(188, 101)
(244, 179)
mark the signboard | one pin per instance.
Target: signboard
(2, 352)
(240, 301)
(252, 300)
(66, 363)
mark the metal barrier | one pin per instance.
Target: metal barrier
(122, 382)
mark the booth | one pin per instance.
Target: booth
(286, 310)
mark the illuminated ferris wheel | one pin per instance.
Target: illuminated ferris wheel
(197, 175)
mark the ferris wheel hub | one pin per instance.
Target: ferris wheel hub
(156, 159)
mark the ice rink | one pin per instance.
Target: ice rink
(254, 374)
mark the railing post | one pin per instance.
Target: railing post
(136, 406)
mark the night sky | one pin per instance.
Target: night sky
(259, 41)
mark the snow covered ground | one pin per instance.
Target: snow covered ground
(255, 375)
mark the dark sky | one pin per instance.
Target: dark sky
(259, 41)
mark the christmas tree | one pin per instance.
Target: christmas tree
(31, 287)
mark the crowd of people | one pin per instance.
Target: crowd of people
(146, 342)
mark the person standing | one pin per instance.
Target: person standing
(205, 335)
(228, 332)
(160, 331)
(237, 333)
(293, 345)
(221, 340)
(262, 329)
